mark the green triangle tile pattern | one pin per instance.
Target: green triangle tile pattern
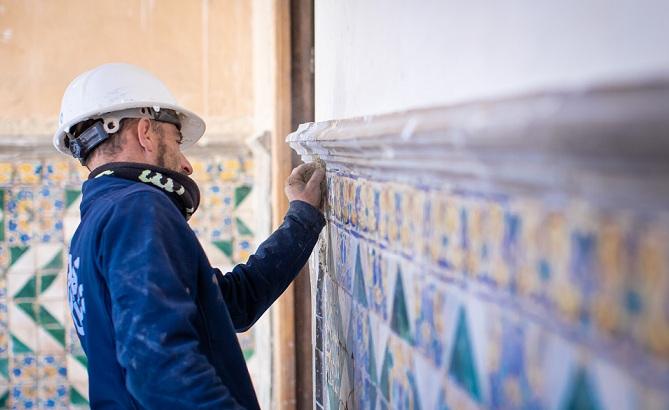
(4, 368)
(400, 317)
(29, 290)
(51, 325)
(241, 192)
(18, 347)
(56, 262)
(225, 247)
(40, 315)
(371, 352)
(242, 228)
(4, 399)
(46, 281)
(582, 395)
(46, 319)
(29, 308)
(15, 253)
(462, 367)
(77, 398)
(248, 353)
(359, 289)
(81, 358)
(385, 373)
(71, 196)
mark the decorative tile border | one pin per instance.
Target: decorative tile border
(512, 254)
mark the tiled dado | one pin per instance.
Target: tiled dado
(42, 364)
(457, 271)
(532, 280)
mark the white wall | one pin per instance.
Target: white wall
(376, 56)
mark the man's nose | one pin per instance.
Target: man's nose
(186, 167)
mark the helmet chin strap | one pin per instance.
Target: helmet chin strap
(83, 145)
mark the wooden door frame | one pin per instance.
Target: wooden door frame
(302, 110)
(294, 104)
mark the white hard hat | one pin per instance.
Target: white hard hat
(116, 87)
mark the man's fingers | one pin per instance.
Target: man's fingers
(306, 183)
(315, 180)
(299, 174)
(301, 170)
(294, 180)
(296, 176)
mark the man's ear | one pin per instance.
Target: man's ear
(146, 138)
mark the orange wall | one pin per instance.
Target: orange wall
(200, 49)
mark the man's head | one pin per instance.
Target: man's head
(140, 140)
(119, 112)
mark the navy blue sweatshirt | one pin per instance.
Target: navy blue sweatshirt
(156, 320)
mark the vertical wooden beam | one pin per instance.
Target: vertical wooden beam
(283, 319)
(302, 61)
(302, 102)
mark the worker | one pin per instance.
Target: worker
(157, 322)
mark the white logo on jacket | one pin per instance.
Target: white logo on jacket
(75, 295)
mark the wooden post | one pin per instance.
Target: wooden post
(283, 319)
(302, 107)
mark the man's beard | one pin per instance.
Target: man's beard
(162, 158)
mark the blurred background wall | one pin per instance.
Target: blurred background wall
(202, 50)
(210, 57)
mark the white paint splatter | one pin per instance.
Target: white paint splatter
(7, 35)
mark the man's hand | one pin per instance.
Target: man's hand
(304, 184)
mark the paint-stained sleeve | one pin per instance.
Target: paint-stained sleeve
(147, 272)
(250, 288)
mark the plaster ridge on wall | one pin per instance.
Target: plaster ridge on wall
(625, 121)
(609, 144)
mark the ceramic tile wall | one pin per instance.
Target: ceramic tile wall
(41, 362)
(448, 299)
